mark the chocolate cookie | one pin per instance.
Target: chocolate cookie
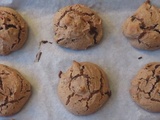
(14, 91)
(145, 87)
(143, 27)
(77, 27)
(84, 88)
(13, 31)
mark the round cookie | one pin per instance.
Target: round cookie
(143, 27)
(14, 91)
(145, 87)
(77, 27)
(83, 88)
(13, 31)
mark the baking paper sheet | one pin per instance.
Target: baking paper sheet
(114, 55)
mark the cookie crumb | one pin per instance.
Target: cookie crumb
(38, 56)
(44, 42)
(140, 58)
(60, 73)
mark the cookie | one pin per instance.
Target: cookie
(14, 91)
(13, 31)
(145, 87)
(143, 27)
(83, 88)
(77, 27)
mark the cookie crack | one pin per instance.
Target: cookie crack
(93, 31)
(101, 87)
(69, 97)
(109, 93)
(139, 89)
(96, 91)
(88, 84)
(87, 99)
(59, 40)
(21, 82)
(79, 75)
(19, 34)
(5, 102)
(135, 18)
(153, 71)
(144, 28)
(156, 30)
(82, 70)
(156, 100)
(12, 101)
(4, 73)
(2, 94)
(8, 26)
(82, 13)
(20, 29)
(27, 91)
(22, 85)
(71, 10)
(87, 106)
(1, 84)
(62, 17)
(153, 86)
(10, 91)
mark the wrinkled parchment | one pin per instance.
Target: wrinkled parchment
(114, 55)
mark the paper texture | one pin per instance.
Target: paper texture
(114, 55)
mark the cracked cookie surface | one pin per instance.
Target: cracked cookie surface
(14, 91)
(145, 87)
(13, 31)
(83, 88)
(77, 27)
(143, 27)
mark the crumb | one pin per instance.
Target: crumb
(60, 73)
(140, 58)
(44, 42)
(38, 56)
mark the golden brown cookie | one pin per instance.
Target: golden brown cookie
(77, 27)
(84, 88)
(143, 27)
(145, 87)
(13, 31)
(14, 91)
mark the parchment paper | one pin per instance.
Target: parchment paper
(114, 55)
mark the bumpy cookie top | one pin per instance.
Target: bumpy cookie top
(77, 27)
(84, 88)
(145, 87)
(14, 91)
(143, 27)
(13, 31)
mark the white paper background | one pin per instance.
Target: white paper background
(114, 55)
